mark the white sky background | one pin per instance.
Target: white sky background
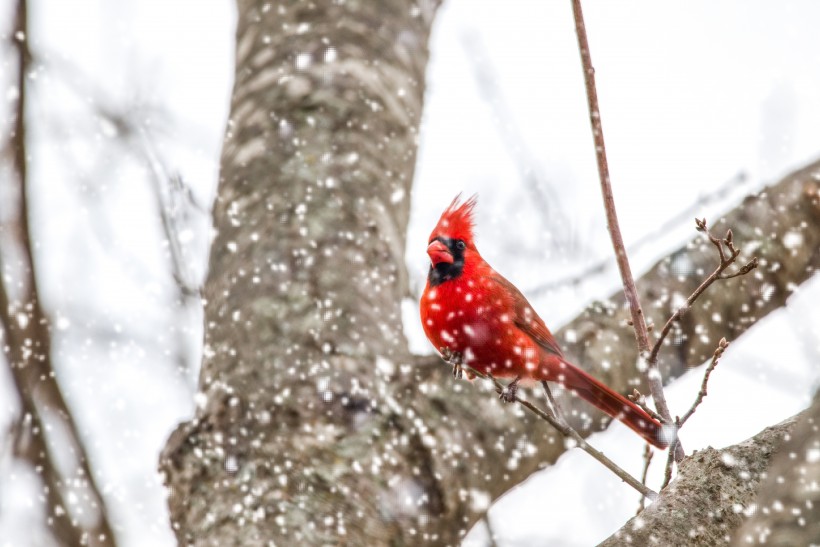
(691, 94)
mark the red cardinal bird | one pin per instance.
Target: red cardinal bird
(476, 317)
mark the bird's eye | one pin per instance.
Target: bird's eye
(460, 245)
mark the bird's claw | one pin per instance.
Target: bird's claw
(508, 394)
(454, 358)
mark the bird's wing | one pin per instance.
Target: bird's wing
(527, 320)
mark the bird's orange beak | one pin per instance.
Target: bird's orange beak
(439, 253)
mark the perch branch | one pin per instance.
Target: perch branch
(556, 410)
(567, 431)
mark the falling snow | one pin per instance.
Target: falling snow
(124, 345)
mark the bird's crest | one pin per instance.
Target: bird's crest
(456, 221)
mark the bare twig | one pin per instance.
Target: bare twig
(670, 460)
(728, 254)
(647, 459)
(37, 387)
(722, 345)
(490, 532)
(652, 374)
(569, 432)
(746, 268)
(638, 398)
(727, 258)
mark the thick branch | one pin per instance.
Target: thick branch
(306, 370)
(706, 501)
(786, 510)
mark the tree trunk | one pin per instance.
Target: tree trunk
(305, 435)
(315, 425)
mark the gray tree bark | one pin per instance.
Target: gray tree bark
(764, 490)
(786, 511)
(706, 502)
(315, 424)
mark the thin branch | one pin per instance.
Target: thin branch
(647, 459)
(37, 387)
(670, 460)
(652, 374)
(569, 432)
(638, 398)
(490, 532)
(18, 137)
(722, 345)
(557, 413)
(30, 446)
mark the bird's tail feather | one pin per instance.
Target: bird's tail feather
(613, 403)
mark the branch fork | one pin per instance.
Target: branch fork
(554, 417)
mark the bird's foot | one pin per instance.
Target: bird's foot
(454, 358)
(508, 394)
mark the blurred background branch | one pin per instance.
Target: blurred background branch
(47, 436)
